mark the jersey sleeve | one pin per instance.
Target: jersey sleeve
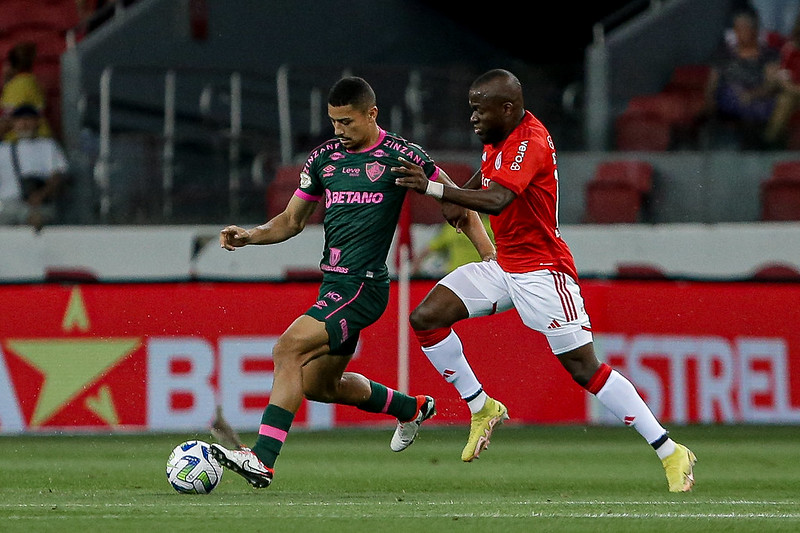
(310, 187)
(427, 163)
(522, 160)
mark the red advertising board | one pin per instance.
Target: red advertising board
(139, 357)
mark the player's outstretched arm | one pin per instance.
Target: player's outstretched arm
(491, 200)
(280, 228)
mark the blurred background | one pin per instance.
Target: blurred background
(178, 117)
(183, 111)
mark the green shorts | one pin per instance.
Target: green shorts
(348, 305)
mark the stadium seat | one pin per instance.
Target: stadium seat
(50, 43)
(48, 73)
(618, 191)
(639, 271)
(279, 191)
(459, 172)
(780, 193)
(642, 131)
(670, 106)
(776, 272)
(59, 15)
(69, 275)
(688, 78)
(427, 210)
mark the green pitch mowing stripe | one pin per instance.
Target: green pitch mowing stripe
(592, 479)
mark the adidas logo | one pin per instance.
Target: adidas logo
(554, 324)
(448, 373)
(629, 420)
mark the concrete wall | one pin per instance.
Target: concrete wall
(150, 254)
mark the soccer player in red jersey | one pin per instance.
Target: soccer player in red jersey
(534, 273)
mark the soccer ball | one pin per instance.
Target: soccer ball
(191, 469)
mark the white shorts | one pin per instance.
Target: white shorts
(547, 301)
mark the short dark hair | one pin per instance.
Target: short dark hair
(22, 56)
(353, 91)
(495, 74)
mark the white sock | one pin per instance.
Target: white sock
(477, 403)
(666, 449)
(620, 397)
(448, 358)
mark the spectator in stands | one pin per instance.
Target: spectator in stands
(21, 87)
(788, 100)
(776, 16)
(32, 171)
(452, 246)
(743, 84)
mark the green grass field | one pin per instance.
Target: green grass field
(531, 479)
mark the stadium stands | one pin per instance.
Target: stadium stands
(280, 189)
(58, 15)
(780, 192)
(662, 120)
(618, 191)
(44, 23)
(640, 131)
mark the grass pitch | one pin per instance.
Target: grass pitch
(531, 479)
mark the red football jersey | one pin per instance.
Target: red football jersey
(526, 232)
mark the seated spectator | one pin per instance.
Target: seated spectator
(788, 100)
(447, 250)
(21, 87)
(32, 171)
(743, 84)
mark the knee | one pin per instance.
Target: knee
(319, 394)
(422, 319)
(320, 389)
(286, 354)
(581, 364)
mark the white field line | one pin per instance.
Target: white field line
(411, 509)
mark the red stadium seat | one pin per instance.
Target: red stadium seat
(776, 272)
(59, 15)
(668, 105)
(280, 190)
(50, 43)
(618, 191)
(425, 209)
(459, 172)
(639, 131)
(639, 271)
(780, 193)
(689, 78)
(70, 275)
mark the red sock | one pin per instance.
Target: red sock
(598, 379)
(431, 337)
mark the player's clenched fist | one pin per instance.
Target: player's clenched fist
(233, 237)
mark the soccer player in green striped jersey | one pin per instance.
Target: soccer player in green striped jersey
(352, 174)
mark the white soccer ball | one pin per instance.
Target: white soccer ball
(191, 469)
